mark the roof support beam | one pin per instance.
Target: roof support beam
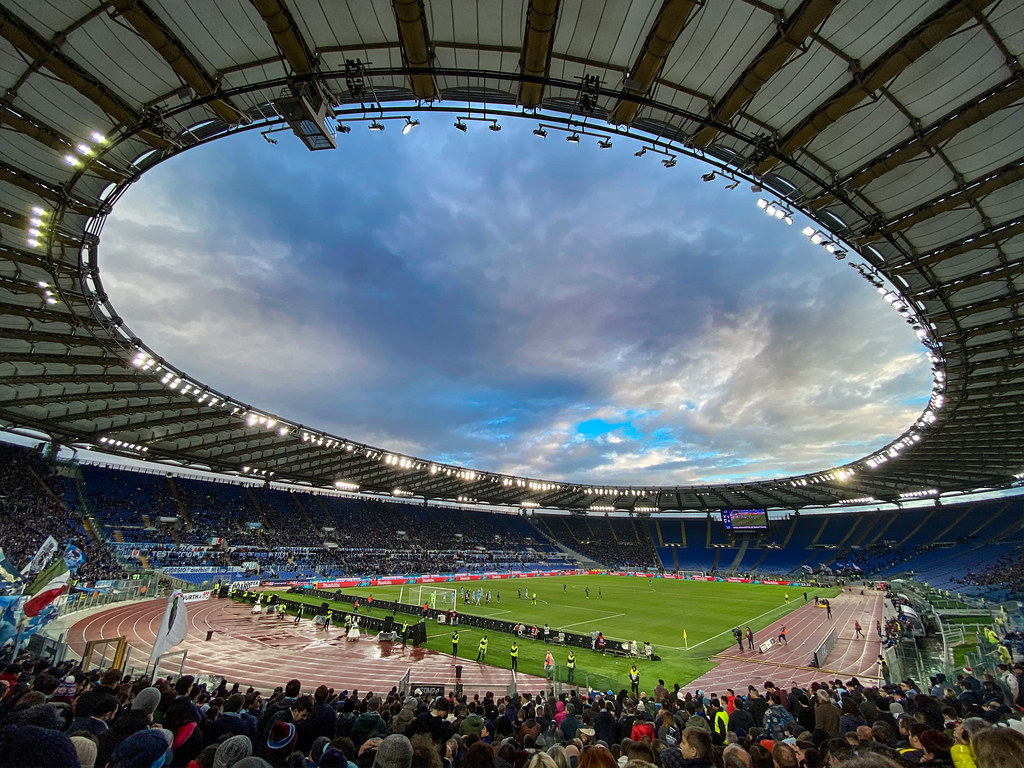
(286, 35)
(787, 40)
(84, 397)
(153, 30)
(47, 191)
(48, 136)
(46, 54)
(416, 51)
(971, 192)
(997, 234)
(940, 25)
(970, 114)
(671, 20)
(535, 57)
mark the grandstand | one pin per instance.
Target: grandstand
(894, 129)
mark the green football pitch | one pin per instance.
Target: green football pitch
(628, 608)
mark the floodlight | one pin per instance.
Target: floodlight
(375, 126)
(37, 210)
(708, 177)
(788, 219)
(641, 153)
(342, 128)
(762, 203)
(83, 149)
(71, 160)
(770, 210)
(669, 162)
(540, 132)
(573, 139)
(808, 231)
(461, 126)
(409, 125)
(816, 238)
(606, 144)
(97, 137)
(494, 126)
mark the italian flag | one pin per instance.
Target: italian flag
(46, 588)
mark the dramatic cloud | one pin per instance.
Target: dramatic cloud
(512, 304)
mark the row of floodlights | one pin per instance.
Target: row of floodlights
(861, 500)
(83, 150)
(818, 237)
(124, 444)
(839, 475)
(36, 226)
(257, 472)
(775, 210)
(919, 494)
(48, 295)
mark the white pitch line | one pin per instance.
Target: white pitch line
(720, 634)
(591, 621)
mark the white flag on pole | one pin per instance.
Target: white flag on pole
(42, 557)
(173, 628)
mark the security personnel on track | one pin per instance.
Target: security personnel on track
(455, 643)
(405, 633)
(514, 652)
(634, 680)
(481, 653)
(570, 664)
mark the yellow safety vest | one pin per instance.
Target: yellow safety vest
(483, 644)
(455, 638)
(515, 651)
(571, 661)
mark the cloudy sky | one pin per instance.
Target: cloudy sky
(513, 304)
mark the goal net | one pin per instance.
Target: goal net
(437, 598)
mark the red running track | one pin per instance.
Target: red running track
(806, 627)
(265, 651)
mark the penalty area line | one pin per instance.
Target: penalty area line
(591, 621)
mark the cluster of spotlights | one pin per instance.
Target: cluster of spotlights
(252, 471)
(529, 504)
(467, 499)
(124, 444)
(83, 150)
(402, 493)
(836, 475)
(861, 500)
(775, 210)
(601, 508)
(919, 494)
(818, 237)
(36, 226)
(344, 485)
(48, 295)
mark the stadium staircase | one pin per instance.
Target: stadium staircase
(267, 528)
(571, 554)
(181, 507)
(305, 516)
(735, 565)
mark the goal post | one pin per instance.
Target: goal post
(439, 598)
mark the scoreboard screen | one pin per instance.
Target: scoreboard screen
(745, 519)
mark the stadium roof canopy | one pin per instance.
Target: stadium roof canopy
(897, 126)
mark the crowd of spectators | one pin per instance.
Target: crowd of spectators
(1007, 571)
(613, 542)
(61, 716)
(30, 510)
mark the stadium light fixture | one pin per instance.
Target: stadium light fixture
(606, 144)
(708, 177)
(97, 137)
(641, 152)
(342, 128)
(573, 138)
(460, 126)
(494, 126)
(539, 131)
(669, 162)
(409, 125)
(376, 126)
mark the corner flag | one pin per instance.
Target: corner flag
(46, 588)
(173, 627)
